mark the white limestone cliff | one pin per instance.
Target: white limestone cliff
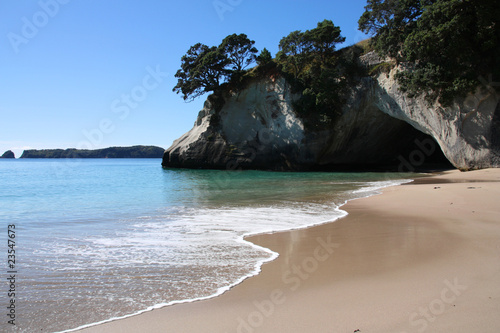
(257, 128)
(254, 128)
(465, 131)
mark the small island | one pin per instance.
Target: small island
(111, 152)
(8, 154)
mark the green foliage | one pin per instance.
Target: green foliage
(390, 21)
(299, 49)
(264, 57)
(365, 45)
(294, 52)
(446, 45)
(204, 69)
(309, 57)
(321, 96)
(454, 43)
(201, 71)
(239, 50)
(324, 38)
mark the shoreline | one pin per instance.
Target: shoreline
(338, 276)
(257, 267)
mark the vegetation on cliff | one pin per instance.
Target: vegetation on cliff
(447, 47)
(204, 68)
(314, 67)
(309, 60)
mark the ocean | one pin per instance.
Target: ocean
(100, 239)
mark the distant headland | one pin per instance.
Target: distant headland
(111, 152)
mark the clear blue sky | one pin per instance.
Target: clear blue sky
(67, 66)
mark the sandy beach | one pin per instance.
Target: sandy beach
(421, 257)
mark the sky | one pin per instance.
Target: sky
(90, 74)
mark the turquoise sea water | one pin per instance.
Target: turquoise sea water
(105, 238)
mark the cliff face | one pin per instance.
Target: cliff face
(256, 128)
(468, 132)
(379, 127)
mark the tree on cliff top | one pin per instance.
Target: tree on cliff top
(239, 50)
(299, 49)
(390, 22)
(324, 39)
(310, 57)
(447, 44)
(264, 57)
(204, 69)
(294, 52)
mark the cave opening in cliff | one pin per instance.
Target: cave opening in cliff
(397, 147)
(421, 153)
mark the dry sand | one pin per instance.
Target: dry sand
(423, 257)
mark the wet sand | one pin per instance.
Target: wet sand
(423, 257)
